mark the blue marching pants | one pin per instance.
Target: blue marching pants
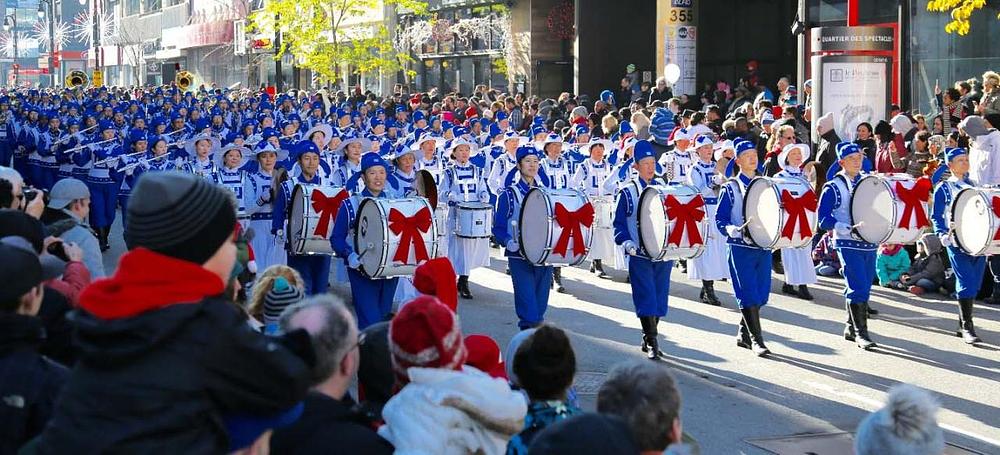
(6, 153)
(123, 203)
(21, 165)
(103, 199)
(969, 272)
(531, 291)
(372, 298)
(650, 282)
(315, 271)
(859, 273)
(750, 269)
(42, 177)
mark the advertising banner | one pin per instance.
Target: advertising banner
(854, 88)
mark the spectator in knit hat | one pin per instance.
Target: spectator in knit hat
(645, 396)
(264, 283)
(163, 358)
(330, 420)
(906, 425)
(483, 353)
(545, 366)
(29, 382)
(444, 408)
(437, 277)
(277, 299)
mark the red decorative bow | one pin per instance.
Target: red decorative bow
(914, 199)
(570, 223)
(686, 218)
(327, 208)
(409, 229)
(796, 208)
(996, 212)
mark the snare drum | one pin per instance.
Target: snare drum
(393, 236)
(672, 222)
(473, 220)
(311, 217)
(781, 212)
(604, 212)
(975, 217)
(890, 208)
(554, 226)
(441, 219)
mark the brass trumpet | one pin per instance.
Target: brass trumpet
(184, 80)
(77, 78)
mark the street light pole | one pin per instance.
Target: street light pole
(52, 37)
(10, 25)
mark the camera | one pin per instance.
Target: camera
(58, 250)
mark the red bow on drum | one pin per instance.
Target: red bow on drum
(686, 218)
(571, 223)
(914, 199)
(327, 208)
(796, 208)
(409, 229)
(996, 213)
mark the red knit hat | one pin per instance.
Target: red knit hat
(484, 355)
(425, 333)
(471, 112)
(437, 277)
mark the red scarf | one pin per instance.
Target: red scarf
(147, 281)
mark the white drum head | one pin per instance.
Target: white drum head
(762, 209)
(535, 226)
(370, 237)
(874, 208)
(297, 219)
(973, 220)
(652, 221)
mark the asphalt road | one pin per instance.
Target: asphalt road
(814, 383)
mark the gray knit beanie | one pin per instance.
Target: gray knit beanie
(974, 126)
(280, 296)
(907, 425)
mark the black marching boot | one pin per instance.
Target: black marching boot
(993, 299)
(859, 320)
(743, 335)
(649, 338)
(788, 289)
(757, 334)
(869, 309)
(645, 322)
(557, 280)
(708, 293)
(965, 328)
(463, 287)
(804, 293)
(599, 266)
(849, 328)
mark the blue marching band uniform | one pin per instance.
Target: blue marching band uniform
(109, 141)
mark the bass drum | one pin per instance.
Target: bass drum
(554, 226)
(771, 225)
(672, 222)
(975, 219)
(311, 217)
(394, 236)
(879, 204)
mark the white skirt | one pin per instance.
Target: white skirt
(404, 292)
(798, 265)
(621, 259)
(267, 249)
(602, 245)
(713, 263)
(468, 254)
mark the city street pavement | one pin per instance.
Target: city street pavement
(814, 383)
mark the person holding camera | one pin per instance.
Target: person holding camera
(66, 218)
(14, 195)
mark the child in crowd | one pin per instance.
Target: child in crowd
(926, 273)
(891, 264)
(825, 257)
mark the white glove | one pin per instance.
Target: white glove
(946, 241)
(630, 248)
(263, 200)
(843, 229)
(279, 237)
(353, 261)
(179, 162)
(512, 245)
(734, 232)
(718, 179)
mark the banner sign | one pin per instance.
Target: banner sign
(852, 39)
(855, 88)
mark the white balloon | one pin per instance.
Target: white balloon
(672, 72)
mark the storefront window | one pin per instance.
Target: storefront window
(827, 11)
(150, 6)
(131, 7)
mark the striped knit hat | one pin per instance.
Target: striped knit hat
(278, 298)
(179, 215)
(426, 334)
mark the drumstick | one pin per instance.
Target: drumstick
(744, 225)
(860, 223)
(366, 250)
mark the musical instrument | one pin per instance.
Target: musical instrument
(77, 78)
(88, 145)
(890, 208)
(394, 236)
(145, 161)
(183, 79)
(127, 155)
(441, 219)
(975, 221)
(425, 186)
(780, 213)
(672, 222)
(473, 220)
(311, 216)
(555, 226)
(604, 211)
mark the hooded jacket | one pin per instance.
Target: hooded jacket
(162, 360)
(929, 265)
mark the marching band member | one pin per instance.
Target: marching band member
(314, 268)
(531, 282)
(711, 264)
(404, 172)
(558, 170)
(321, 134)
(677, 161)
(968, 269)
(42, 161)
(428, 158)
(258, 195)
(351, 150)
(749, 265)
(125, 171)
(589, 177)
(797, 262)
(230, 162)
(502, 164)
(66, 142)
(158, 162)
(650, 280)
(372, 298)
(466, 184)
(199, 150)
(857, 256)
(103, 189)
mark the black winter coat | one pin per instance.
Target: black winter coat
(327, 426)
(162, 381)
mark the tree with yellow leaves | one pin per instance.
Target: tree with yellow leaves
(961, 11)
